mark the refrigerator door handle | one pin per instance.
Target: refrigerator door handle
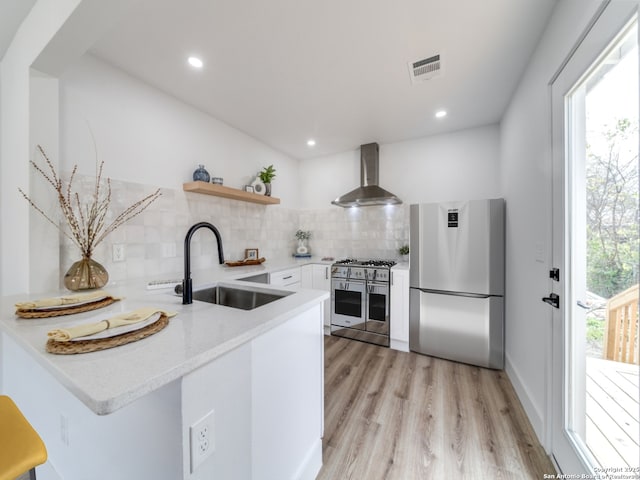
(457, 294)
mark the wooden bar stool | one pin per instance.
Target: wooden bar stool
(21, 448)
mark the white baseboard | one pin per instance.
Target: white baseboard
(399, 345)
(47, 472)
(312, 463)
(536, 418)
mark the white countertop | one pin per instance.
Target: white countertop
(110, 379)
(404, 266)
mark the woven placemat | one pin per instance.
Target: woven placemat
(86, 346)
(57, 312)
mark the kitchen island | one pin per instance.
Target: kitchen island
(126, 412)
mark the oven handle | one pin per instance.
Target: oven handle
(372, 287)
(344, 284)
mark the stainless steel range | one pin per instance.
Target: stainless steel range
(360, 300)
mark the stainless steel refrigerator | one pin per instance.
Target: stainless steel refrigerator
(456, 306)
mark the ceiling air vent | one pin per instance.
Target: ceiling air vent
(425, 69)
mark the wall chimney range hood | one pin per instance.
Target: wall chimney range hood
(368, 193)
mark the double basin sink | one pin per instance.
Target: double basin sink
(244, 298)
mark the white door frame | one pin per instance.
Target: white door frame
(569, 452)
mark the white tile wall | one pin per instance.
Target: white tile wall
(368, 232)
(154, 240)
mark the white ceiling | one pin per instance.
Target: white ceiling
(12, 13)
(284, 71)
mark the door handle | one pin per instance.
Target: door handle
(581, 304)
(553, 299)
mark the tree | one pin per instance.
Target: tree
(612, 211)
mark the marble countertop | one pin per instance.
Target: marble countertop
(110, 379)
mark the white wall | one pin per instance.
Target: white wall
(148, 137)
(461, 165)
(131, 124)
(44, 256)
(53, 32)
(36, 31)
(525, 151)
(455, 166)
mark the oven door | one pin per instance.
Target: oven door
(348, 303)
(378, 308)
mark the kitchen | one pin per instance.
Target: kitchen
(506, 156)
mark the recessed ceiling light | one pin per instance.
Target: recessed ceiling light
(195, 62)
(441, 113)
(311, 142)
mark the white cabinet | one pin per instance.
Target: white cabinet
(399, 310)
(321, 278)
(287, 412)
(268, 402)
(287, 278)
(318, 277)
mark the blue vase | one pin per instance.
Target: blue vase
(201, 175)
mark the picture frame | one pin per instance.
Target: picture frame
(248, 188)
(251, 254)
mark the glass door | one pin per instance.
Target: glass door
(594, 426)
(348, 309)
(378, 308)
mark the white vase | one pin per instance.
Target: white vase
(302, 248)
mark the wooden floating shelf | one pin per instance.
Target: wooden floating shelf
(227, 192)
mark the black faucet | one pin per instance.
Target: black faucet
(187, 287)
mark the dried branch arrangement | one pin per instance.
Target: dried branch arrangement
(87, 222)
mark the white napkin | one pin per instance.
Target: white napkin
(72, 299)
(127, 318)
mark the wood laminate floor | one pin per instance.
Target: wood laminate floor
(391, 415)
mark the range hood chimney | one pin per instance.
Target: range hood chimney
(368, 193)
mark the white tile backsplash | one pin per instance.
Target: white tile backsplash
(154, 240)
(367, 232)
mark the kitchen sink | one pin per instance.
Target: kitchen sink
(236, 297)
(259, 278)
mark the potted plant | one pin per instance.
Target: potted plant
(266, 175)
(404, 252)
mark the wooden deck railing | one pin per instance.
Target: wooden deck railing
(621, 327)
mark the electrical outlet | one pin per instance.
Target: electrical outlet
(118, 252)
(201, 440)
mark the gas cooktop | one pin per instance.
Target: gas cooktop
(366, 263)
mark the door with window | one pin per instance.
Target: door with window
(594, 392)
